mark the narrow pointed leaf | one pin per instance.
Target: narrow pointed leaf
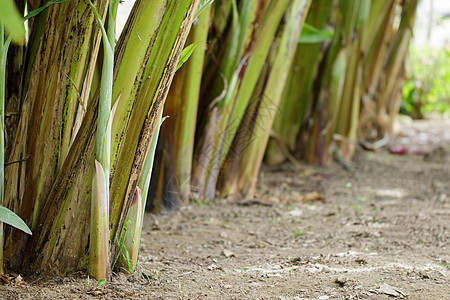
(202, 6)
(312, 35)
(40, 9)
(133, 225)
(186, 53)
(9, 217)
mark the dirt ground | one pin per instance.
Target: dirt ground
(376, 229)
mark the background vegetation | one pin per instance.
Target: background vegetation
(427, 85)
(427, 88)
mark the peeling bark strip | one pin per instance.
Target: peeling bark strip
(70, 195)
(151, 121)
(118, 135)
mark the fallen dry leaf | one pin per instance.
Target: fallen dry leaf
(18, 281)
(308, 198)
(391, 291)
(97, 291)
(4, 279)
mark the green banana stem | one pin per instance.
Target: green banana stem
(99, 243)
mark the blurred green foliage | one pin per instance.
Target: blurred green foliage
(427, 87)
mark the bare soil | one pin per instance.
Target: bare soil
(376, 229)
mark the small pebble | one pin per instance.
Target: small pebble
(341, 280)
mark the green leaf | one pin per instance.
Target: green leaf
(8, 217)
(185, 54)
(128, 260)
(101, 282)
(201, 7)
(11, 19)
(312, 35)
(38, 10)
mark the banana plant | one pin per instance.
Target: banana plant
(253, 26)
(171, 181)
(248, 151)
(146, 57)
(297, 94)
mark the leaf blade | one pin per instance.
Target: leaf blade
(10, 218)
(12, 21)
(202, 6)
(311, 35)
(38, 10)
(185, 54)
